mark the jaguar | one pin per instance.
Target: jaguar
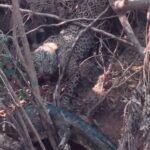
(83, 48)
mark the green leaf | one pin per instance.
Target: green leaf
(22, 94)
(9, 72)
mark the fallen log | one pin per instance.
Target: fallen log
(81, 132)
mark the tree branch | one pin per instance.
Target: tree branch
(128, 29)
(32, 74)
(72, 21)
(122, 6)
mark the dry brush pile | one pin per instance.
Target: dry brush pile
(65, 64)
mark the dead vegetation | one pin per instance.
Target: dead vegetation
(98, 95)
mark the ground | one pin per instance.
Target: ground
(122, 75)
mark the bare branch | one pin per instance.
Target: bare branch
(15, 100)
(122, 6)
(79, 36)
(72, 21)
(32, 74)
(31, 12)
(108, 34)
(128, 29)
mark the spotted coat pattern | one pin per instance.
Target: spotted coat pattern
(86, 44)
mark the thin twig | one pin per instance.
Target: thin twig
(67, 21)
(31, 12)
(21, 111)
(81, 33)
(91, 112)
(65, 138)
(73, 21)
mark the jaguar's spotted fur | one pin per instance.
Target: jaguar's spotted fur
(46, 54)
(86, 44)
